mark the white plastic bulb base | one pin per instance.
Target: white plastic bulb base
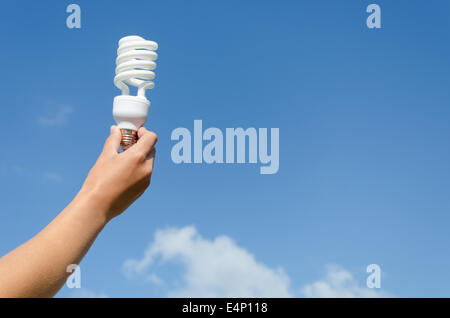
(130, 113)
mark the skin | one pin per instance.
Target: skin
(38, 268)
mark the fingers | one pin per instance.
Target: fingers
(150, 159)
(151, 154)
(146, 142)
(148, 167)
(112, 143)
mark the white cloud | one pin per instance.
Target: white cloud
(57, 119)
(153, 278)
(86, 293)
(14, 168)
(52, 177)
(17, 169)
(46, 177)
(339, 283)
(213, 268)
(221, 268)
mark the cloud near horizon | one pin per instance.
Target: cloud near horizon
(339, 283)
(221, 268)
(212, 268)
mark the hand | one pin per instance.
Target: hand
(118, 179)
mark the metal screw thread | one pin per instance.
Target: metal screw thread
(129, 138)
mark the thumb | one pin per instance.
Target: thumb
(112, 143)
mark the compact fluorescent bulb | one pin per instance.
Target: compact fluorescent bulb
(134, 65)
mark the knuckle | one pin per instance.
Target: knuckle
(148, 172)
(138, 156)
(153, 137)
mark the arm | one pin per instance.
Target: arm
(38, 267)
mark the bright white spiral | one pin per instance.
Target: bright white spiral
(134, 64)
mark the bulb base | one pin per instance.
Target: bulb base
(129, 138)
(130, 112)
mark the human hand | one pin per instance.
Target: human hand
(118, 179)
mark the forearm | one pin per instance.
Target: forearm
(38, 268)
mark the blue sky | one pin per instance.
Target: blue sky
(364, 128)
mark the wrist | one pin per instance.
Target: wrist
(93, 205)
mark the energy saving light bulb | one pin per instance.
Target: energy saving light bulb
(134, 65)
